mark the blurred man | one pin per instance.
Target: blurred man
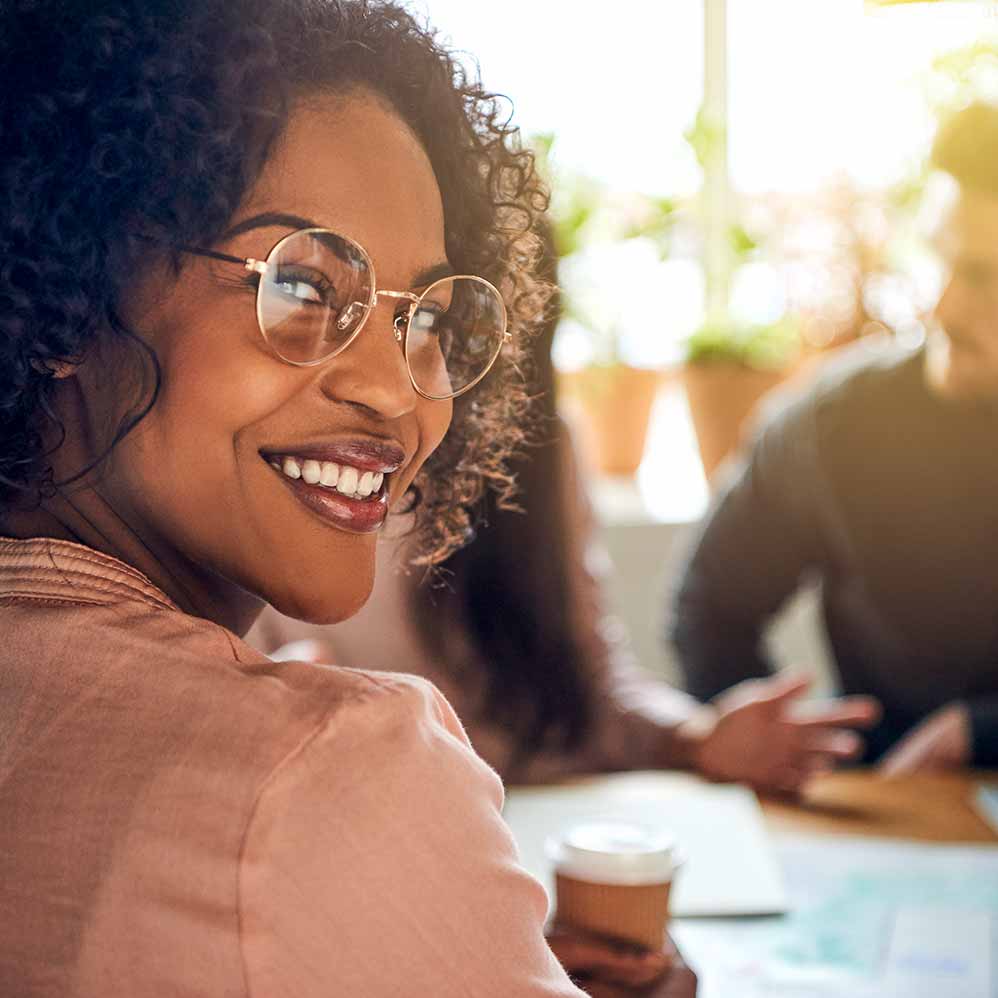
(882, 482)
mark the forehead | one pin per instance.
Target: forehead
(971, 226)
(350, 163)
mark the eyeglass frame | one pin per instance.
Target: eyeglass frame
(401, 332)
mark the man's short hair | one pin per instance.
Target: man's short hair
(966, 147)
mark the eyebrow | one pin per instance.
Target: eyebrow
(429, 275)
(423, 278)
(268, 219)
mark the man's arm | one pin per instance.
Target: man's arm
(760, 536)
(752, 734)
(958, 734)
(983, 713)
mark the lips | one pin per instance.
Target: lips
(358, 516)
(367, 455)
(345, 483)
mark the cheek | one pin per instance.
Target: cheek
(976, 309)
(215, 384)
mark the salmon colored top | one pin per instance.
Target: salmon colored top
(179, 815)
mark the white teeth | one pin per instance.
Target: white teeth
(346, 480)
(366, 484)
(347, 483)
(310, 471)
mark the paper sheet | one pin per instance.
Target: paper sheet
(871, 918)
(729, 867)
(939, 951)
(986, 802)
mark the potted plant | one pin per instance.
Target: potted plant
(611, 402)
(609, 399)
(727, 369)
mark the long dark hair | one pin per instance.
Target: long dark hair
(511, 591)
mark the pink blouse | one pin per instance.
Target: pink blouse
(179, 815)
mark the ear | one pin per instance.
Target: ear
(55, 368)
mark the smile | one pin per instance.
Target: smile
(343, 478)
(345, 484)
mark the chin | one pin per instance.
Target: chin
(324, 605)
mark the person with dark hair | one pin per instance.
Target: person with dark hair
(266, 272)
(878, 481)
(513, 628)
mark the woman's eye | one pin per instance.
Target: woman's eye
(427, 319)
(301, 290)
(303, 284)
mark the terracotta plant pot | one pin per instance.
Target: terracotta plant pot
(722, 397)
(611, 407)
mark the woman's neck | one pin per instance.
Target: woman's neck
(85, 517)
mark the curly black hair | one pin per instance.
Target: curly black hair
(130, 124)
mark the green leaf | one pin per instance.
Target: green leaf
(763, 347)
(705, 136)
(742, 243)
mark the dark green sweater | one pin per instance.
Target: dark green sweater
(889, 495)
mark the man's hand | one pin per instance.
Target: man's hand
(604, 968)
(764, 736)
(941, 741)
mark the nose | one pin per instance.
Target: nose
(372, 372)
(946, 308)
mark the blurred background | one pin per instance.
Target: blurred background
(739, 189)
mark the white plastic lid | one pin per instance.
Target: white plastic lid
(614, 852)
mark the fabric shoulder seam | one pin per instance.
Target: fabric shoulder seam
(374, 685)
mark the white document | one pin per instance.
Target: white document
(937, 951)
(870, 918)
(986, 802)
(729, 867)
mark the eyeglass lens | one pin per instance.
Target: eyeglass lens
(317, 290)
(304, 303)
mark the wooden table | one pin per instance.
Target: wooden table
(933, 808)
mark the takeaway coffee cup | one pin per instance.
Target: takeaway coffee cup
(614, 878)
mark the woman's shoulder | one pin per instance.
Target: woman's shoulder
(227, 783)
(180, 697)
(373, 721)
(364, 705)
(380, 823)
(160, 679)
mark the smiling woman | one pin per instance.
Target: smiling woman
(237, 163)
(264, 272)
